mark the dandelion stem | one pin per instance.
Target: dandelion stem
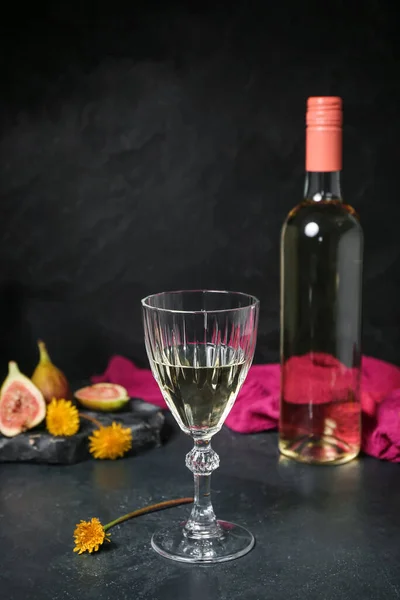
(92, 419)
(148, 509)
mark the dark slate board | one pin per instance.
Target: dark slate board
(38, 446)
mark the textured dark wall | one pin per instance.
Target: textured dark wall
(152, 146)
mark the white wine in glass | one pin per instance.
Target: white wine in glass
(200, 346)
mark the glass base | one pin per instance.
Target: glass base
(172, 542)
(319, 450)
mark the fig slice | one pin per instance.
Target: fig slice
(104, 397)
(22, 405)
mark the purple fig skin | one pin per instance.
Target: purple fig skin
(50, 380)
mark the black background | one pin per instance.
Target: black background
(152, 146)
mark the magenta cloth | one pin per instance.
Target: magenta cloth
(257, 406)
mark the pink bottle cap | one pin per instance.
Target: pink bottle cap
(324, 111)
(324, 134)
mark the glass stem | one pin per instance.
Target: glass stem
(202, 461)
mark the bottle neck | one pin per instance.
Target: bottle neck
(322, 186)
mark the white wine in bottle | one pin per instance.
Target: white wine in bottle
(321, 300)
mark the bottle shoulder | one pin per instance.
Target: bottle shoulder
(329, 213)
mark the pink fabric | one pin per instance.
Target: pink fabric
(257, 406)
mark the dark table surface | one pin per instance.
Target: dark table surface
(321, 532)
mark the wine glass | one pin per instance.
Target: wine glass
(200, 345)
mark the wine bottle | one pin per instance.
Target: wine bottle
(321, 302)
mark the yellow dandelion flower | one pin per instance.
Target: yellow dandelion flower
(89, 536)
(110, 442)
(62, 418)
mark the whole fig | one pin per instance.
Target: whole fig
(48, 378)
